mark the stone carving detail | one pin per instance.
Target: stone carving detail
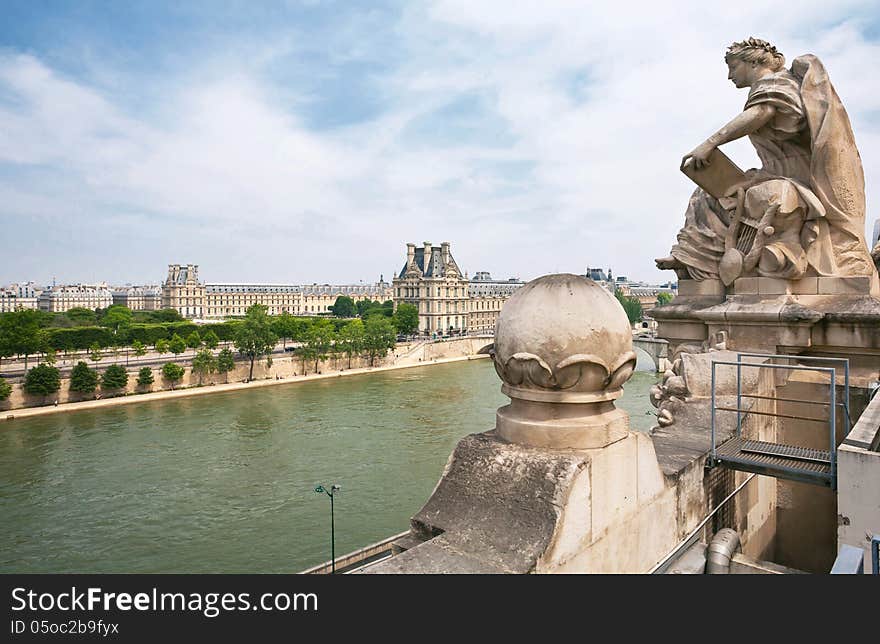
(580, 372)
(803, 212)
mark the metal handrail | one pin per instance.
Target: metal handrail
(845, 362)
(832, 420)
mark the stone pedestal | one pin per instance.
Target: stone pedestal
(815, 315)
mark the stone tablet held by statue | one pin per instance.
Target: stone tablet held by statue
(719, 177)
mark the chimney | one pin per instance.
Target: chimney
(410, 253)
(427, 256)
(444, 252)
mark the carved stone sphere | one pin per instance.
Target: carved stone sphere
(563, 338)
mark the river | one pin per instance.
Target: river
(225, 482)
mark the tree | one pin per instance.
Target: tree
(116, 316)
(138, 348)
(115, 377)
(80, 316)
(161, 346)
(406, 318)
(351, 339)
(176, 345)
(83, 380)
(211, 340)
(145, 377)
(631, 306)
(42, 380)
(193, 340)
(204, 363)
(319, 340)
(225, 363)
(166, 315)
(379, 336)
(51, 357)
(172, 372)
(344, 307)
(664, 297)
(5, 389)
(255, 338)
(95, 354)
(22, 334)
(284, 326)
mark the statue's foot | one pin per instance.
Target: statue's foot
(668, 263)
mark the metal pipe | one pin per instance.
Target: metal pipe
(720, 551)
(689, 540)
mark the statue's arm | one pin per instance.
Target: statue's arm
(747, 122)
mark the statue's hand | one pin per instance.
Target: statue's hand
(699, 156)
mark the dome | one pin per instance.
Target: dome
(563, 338)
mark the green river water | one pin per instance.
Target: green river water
(225, 482)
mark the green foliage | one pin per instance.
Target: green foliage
(95, 353)
(83, 380)
(42, 380)
(138, 348)
(379, 336)
(5, 389)
(193, 340)
(115, 377)
(164, 315)
(172, 372)
(319, 340)
(406, 318)
(145, 377)
(79, 316)
(664, 297)
(211, 340)
(161, 346)
(225, 362)
(351, 339)
(21, 333)
(344, 307)
(176, 345)
(204, 363)
(255, 338)
(79, 338)
(631, 306)
(116, 316)
(367, 308)
(51, 357)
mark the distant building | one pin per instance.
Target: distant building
(432, 282)
(447, 301)
(486, 297)
(138, 298)
(16, 297)
(183, 291)
(58, 299)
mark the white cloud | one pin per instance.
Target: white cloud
(591, 109)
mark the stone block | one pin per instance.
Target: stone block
(614, 489)
(772, 286)
(746, 286)
(700, 287)
(805, 286)
(843, 285)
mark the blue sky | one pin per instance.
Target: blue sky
(309, 141)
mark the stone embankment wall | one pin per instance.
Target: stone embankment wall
(285, 367)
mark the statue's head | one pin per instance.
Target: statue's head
(751, 59)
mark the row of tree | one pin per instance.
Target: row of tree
(25, 332)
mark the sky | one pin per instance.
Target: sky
(309, 141)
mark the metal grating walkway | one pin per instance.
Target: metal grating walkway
(782, 461)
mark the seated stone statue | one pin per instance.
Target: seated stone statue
(803, 212)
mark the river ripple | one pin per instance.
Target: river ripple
(225, 482)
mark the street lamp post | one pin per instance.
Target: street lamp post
(330, 492)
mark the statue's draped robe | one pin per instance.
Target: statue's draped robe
(809, 145)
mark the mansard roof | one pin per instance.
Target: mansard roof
(435, 266)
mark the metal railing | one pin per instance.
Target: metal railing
(832, 404)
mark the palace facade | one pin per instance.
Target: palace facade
(184, 292)
(58, 299)
(447, 301)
